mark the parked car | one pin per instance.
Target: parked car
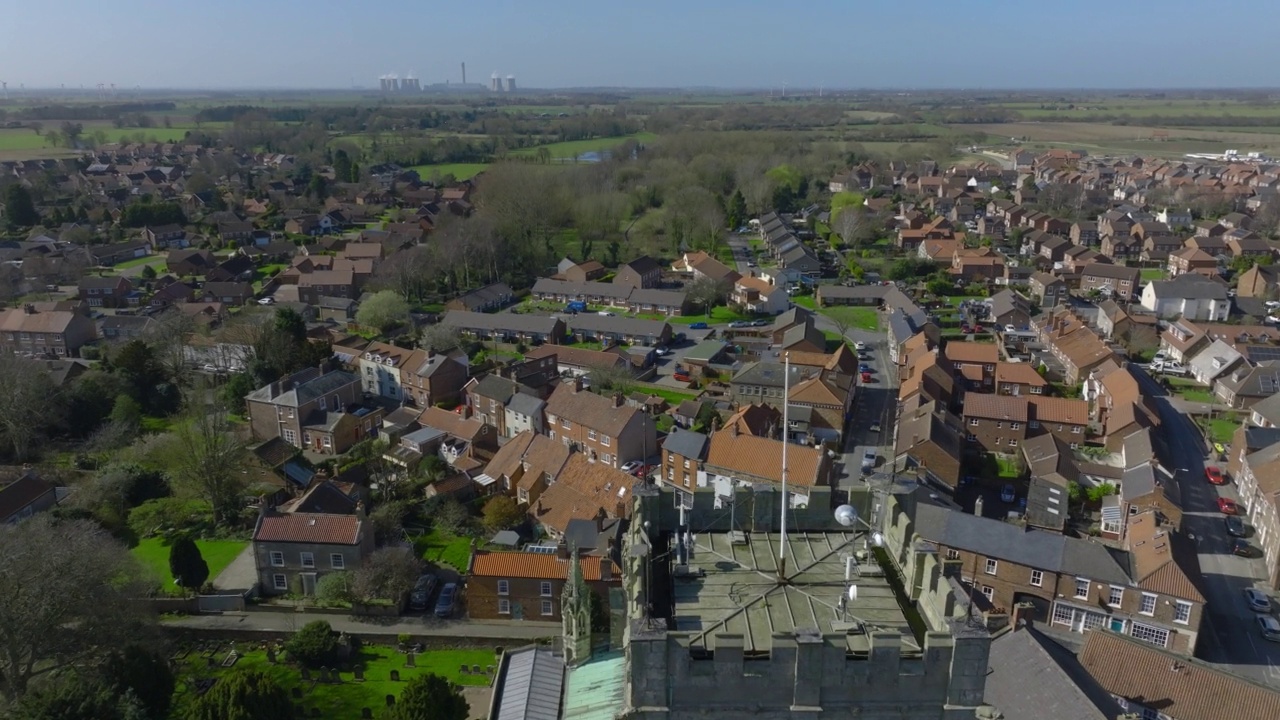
(604, 313)
(1243, 549)
(1258, 600)
(875, 426)
(1006, 493)
(698, 326)
(868, 460)
(1235, 526)
(1010, 328)
(864, 368)
(1227, 506)
(1269, 628)
(1214, 475)
(421, 592)
(760, 323)
(866, 376)
(630, 466)
(448, 596)
(859, 346)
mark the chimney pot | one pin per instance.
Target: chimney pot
(617, 399)
(577, 383)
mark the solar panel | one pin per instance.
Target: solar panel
(1262, 353)
(1267, 383)
(541, 549)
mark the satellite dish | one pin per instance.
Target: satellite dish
(846, 515)
(853, 592)
(877, 539)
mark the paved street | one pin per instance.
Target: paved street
(1230, 635)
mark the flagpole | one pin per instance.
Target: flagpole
(786, 429)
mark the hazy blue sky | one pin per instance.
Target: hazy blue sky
(666, 43)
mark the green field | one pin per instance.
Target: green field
(574, 148)
(342, 700)
(441, 549)
(153, 553)
(460, 171)
(27, 139)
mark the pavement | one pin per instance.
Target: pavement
(286, 622)
(1229, 636)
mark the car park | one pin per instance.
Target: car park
(1227, 506)
(421, 592)
(1269, 627)
(1214, 475)
(1006, 493)
(1258, 600)
(448, 596)
(1235, 526)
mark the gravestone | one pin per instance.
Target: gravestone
(465, 670)
(324, 674)
(360, 674)
(408, 659)
(475, 669)
(366, 714)
(297, 693)
(306, 674)
(489, 670)
(395, 676)
(391, 699)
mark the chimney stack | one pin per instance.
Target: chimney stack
(29, 309)
(577, 383)
(606, 569)
(617, 400)
(465, 411)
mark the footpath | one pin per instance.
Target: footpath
(276, 623)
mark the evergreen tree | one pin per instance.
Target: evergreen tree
(187, 565)
(342, 166)
(144, 674)
(429, 697)
(737, 211)
(245, 695)
(19, 208)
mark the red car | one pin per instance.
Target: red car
(1214, 475)
(978, 329)
(1227, 506)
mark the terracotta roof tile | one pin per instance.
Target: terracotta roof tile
(1020, 373)
(583, 490)
(1159, 556)
(534, 566)
(309, 528)
(995, 407)
(1060, 410)
(1178, 687)
(980, 353)
(762, 458)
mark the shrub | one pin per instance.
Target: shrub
(314, 646)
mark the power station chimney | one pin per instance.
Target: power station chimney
(464, 73)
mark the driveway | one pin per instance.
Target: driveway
(239, 576)
(1229, 636)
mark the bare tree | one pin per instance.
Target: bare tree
(206, 457)
(439, 337)
(612, 378)
(67, 594)
(706, 293)
(28, 403)
(388, 574)
(853, 226)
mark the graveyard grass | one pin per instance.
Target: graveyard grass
(343, 700)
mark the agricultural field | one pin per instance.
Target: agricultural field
(460, 171)
(1104, 138)
(575, 148)
(1140, 108)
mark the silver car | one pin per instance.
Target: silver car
(1258, 600)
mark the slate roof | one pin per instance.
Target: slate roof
(463, 319)
(22, 492)
(587, 408)
(525, 404)
(530, 684)
(1026, 680)
(1027, 547)
(686, 443)
(1191, 286)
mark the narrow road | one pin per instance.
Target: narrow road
(1229, 636)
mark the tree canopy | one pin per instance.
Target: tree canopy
(384, 310)
(429, 697)
(244, 695)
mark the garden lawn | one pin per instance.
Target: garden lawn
(805, 301)
(343, 700)
(1191, 392)
(1149, 274)
(863, 318)
(153, 553)
(675, 397)
(152, 260)
(721, 314)
(442, 549)
(1220, 430)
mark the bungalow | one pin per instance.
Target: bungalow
(108, 255)
(651, 301)
(508, 327)
(230, 293)
(486, 299)
(619, 330)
